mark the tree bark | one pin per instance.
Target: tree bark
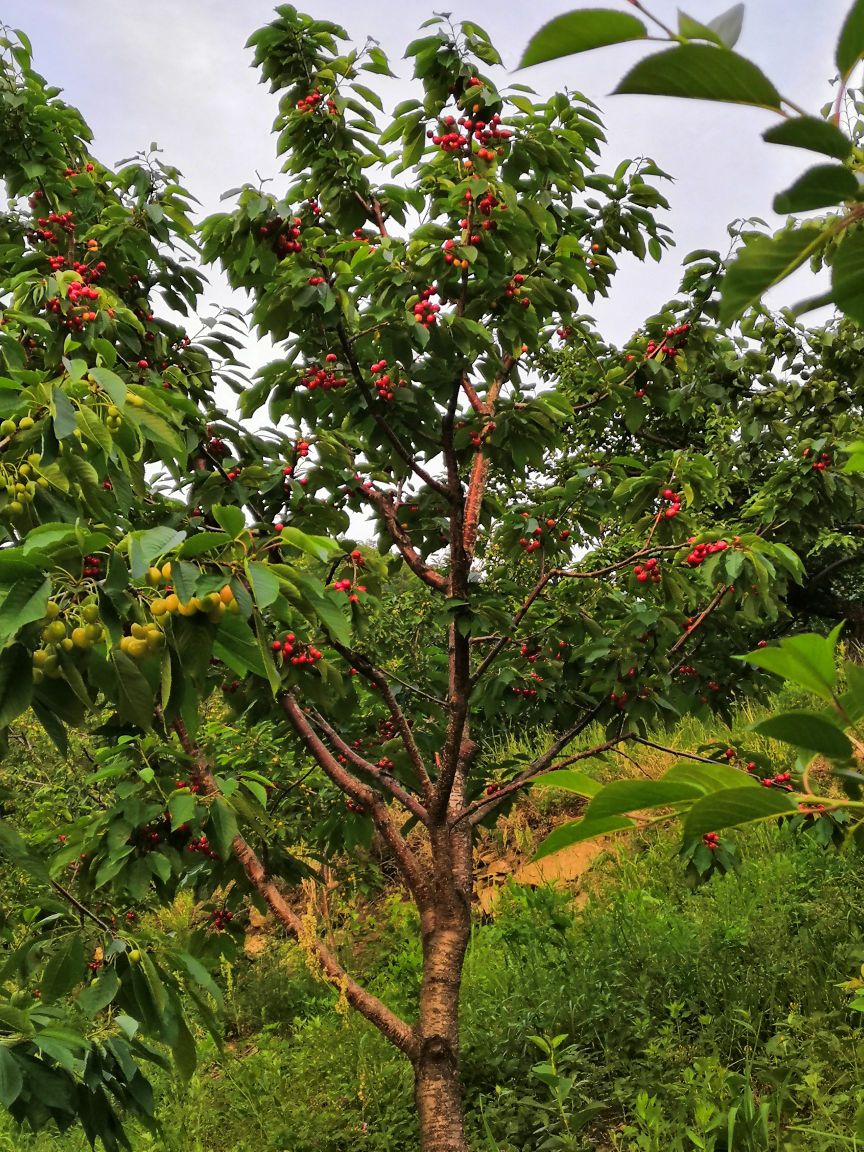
(437, 1082)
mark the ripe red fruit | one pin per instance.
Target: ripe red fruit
(143, 364)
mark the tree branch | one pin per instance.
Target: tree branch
(375, 676)
(383, 503)
(493, 654)
(385, 1020)
(481, 808)
(361, 793)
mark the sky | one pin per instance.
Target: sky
(177, 73)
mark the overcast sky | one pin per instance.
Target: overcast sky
(176, 71)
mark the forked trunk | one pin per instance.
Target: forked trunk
(437, 1083)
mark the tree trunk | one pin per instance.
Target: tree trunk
(437, 1083)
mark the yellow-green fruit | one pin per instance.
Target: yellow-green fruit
(95, 632)
(154, 577)
(34, 459)
(134, 400)
(8, 428)
(166, 571)
(113, 411)
(159, 607)
(26, 423)
(52, 610)
(190, 607)
(135, 956)
(216, 613)
(226, 595)
(43, 482)
(133, 647)
(67, 645)
(138, 631)
(39, 658)
(90, 613)
(211, 600)
(24, 470)
(172, 602)
(54, 632)
(81, 638)
(16, 508)
(155, 641)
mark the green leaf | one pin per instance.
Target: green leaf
(820, 187)
(26, 601)
(222, 827)
(807, 660)
(236, 646)
(64, 970)
(764, 262)
(100, 993)
(16, 683)
(134, 695)
(11, 1080)
(203, 543)
(182, 807)
(110, 383)
(65, 420)
(16, 850)
(146, 546)
(575, 831)
(850, 46)
(699, 72)
(734, 806)
(265, 586)
(44, 535)
(633, 795)
(581, 31)
(321, 547)
(692, 30)
(813, 731)
(847, 276)
(709, 777)
(568, 781)
(812, 134)
(230, 518)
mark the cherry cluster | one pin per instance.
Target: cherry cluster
(673, 499)
(202, 844)
(354, 807)
(234, 473)
(324, 378)
(348, 586)
(655, 348)
(92, 567)
(526, 693)
(313, 100)
(649, 571)
(425, 312)
(297, 653)
(315, 281)
(450, 258)
(822, 463)
(188, 785)
(287, 239)
(711, 840)
(221, 918)
(63, 220)
(701, 552)
(514, 290)
(217, 447)
(384, 382)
